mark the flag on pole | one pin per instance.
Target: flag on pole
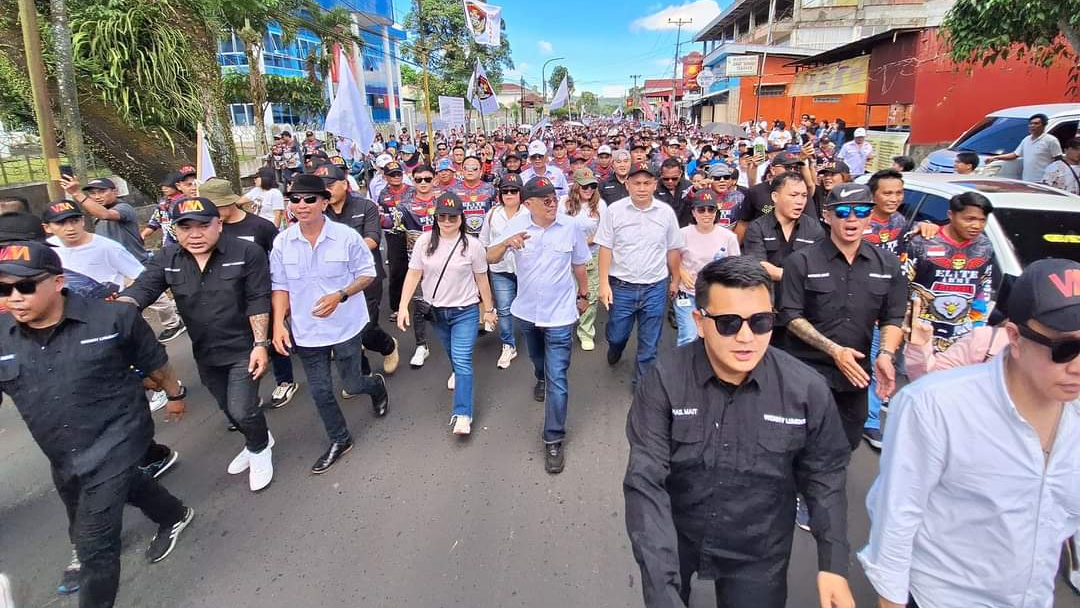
(349, 116)
(562, 95)
(538, 128)
(204, 169)
(481, 95)
(484, 21)
(647, 111)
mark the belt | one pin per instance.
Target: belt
(620, 282)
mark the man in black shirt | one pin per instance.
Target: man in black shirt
(67, 362)
(235, 222)
(723, 432)
(833, 294)
(759, 198)
(614, 187)
(222, 290)
(674, 189)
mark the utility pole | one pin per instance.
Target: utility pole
(675, 70)
(764, 60)
(40, 90)
(424, 56)
(634, 91)
(522, 100)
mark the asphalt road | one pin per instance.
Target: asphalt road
(411, 517)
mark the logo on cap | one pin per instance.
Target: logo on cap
(191, 206)
(15, 253)
(543, 183)
(1069, 285)
(61, 207)
(321, 171)
(449, 202)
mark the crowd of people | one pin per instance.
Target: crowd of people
(795, 294)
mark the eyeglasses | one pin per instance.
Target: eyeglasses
(510, 191)
(1061, 351)
(669, 179)
(845, 211)
(307, 200)
(446, 217)
(423, 180)
(25, 286)
(589, 186)
(729, 325)
(705, 210)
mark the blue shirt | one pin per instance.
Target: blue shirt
(547, 290)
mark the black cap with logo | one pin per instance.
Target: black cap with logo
(60, 211)
(849, 194)
(448, 204)
(29, 259)
(1048, 291)
(199, 208)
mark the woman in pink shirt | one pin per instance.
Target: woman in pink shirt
(977, 346)
(705, 242)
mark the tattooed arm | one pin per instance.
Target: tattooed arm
(806, 332)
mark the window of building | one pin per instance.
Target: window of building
(243, 114)
(771, 90)
(827, 99)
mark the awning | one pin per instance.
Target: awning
(710, 97)
(840, 78)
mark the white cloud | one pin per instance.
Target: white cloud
(700, 11)
(613, 90)
(545, 47)
(519, 70)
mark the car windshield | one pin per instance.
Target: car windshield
(994, 135)
(1036, 234)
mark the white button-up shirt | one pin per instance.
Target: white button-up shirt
(639, 240)
(966, 512)
(855, 155)
(554, 174)
(308, 273)
(547, 290)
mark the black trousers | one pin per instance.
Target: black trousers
(95, 519)
(734, 592)
(375, 337)
(854, 410)
(238, 396)
(398, 259)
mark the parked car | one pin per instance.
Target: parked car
(1000, 133)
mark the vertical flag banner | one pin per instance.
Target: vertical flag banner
(562, 95)
(647, 111)
(204, 169)
(484, 21)
(349, 116)
(481, 94)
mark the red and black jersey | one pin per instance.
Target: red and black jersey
(389, 199)
(475, 202)
(888, 235)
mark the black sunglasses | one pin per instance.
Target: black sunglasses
(510, 191)
(844, 211)
(705, 210)
(729, 325)
(24, 286)
(589, 186)
(1061, 351)
(308, 200)
(423, 180)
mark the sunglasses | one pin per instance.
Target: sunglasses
(307, 200)
(669, 179)
(844, 211)
(25, 286)
(705, 210)
(729, 325)
(423, 180)
(510, 191)
(724, 177)
(589, 187)
(1061, 351)
(471, 168)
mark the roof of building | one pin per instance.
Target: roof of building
(857, 48)
(738, 9)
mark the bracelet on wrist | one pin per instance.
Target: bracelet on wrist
(888, 353)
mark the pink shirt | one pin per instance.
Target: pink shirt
(976, 346)
(458, 286)
(703, 248)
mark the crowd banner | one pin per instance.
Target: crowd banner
(887, 144)
(452, 110)
(841, 78)
(484, 21)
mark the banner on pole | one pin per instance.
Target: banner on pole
(452, 110)
(484, 21)
(349, 116)
(481, 94)
(562, 95)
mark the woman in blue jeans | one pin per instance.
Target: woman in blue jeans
(503, 277)
(452, 268)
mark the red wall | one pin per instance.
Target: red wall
(948, 100)
(849, 107)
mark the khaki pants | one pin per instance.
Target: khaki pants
(164, 309)
(586, 328)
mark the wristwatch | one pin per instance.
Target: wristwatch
(262, 343)
(180, 397)
(344, 294)
(583, 296)
(887, 352)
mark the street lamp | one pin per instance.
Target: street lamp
(543, 76)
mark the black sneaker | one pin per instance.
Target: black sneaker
(69, 580)
(613, 357)
(873, 437)
(165, 540)
(332, 455)
(381, 405)
(157, 468)
(172, 334)
(540, 390)
(802, 514)
(553, 458)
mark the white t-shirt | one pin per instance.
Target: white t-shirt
(588, 223)
(458, 286)
(494, 232)
(1036, 154)
(702, 248)
(101, 259)
(266, 202)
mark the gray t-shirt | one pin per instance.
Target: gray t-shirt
(1036, 154)
(124, 230)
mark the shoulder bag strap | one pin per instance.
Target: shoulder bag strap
(445, 264)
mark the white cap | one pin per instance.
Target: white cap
(376, 148)
(382, 160)
(537, 147)
(604, 149)
(613, 131)
(674, 141)
(860, 132)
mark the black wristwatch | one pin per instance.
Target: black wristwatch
(344, 294)
(180, 397)
(583, 296)
(888, 353)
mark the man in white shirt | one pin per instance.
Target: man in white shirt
(539, 167)
(639, 262)
(980, 475)
(97, 257)
(1035, 151)
(1064, 173)
(550, 254)
(857, 153)
(317, 266)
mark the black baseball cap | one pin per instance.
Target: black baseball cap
(703, 198)
(21, 226)
(1048, 291)
(29, 259)
(639, 145)
(511, 180)
(448, 204)
(199, 208)
(60, 211)
(329, 173)
(393, 167)
(784, 159)
(641, 168)
(849, 194)
(537, 187)
(836, 167)
(101, 183)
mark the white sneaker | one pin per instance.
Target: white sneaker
(158, 400)
(450, 383)
(418, 358)
(6, 598)
(462, 424)
(262, 469)
(489, 328)
(508, 354)
(243, 459)
(283, 393)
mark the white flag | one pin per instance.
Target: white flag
(484, 21)
(205, 165)
(349, 116)
(561, 96)
(538, 128)
(481, 94)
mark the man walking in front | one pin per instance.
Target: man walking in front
(550, 253)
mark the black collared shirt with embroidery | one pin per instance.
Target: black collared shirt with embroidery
(714, 469)
(76, 388)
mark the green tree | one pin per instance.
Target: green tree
(556, 78)
(988, 30)
(588, 101)
(296, 92)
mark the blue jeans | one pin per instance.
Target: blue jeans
(282, 367)
(504, 289)
(873, 421)
(456, 328)
(684, 319)
(316, 362)
(644, 303)
(549, 351)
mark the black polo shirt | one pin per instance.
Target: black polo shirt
(83, 403)
(714, 468)
(253, 229)
(216, 302)
(612, 189)
(677, 199)
(842, 301)
(362, 215)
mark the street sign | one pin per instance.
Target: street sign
(705, 79)
(742, 65)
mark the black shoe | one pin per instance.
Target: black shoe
(157, 468)
(232, 428)
(553, 458)
(540, 390)
(381, 405)
(802, 514)
(613, 357)
(873, 437)
(69, 581)
(171, 334)
(165, 540)
(332, 455)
